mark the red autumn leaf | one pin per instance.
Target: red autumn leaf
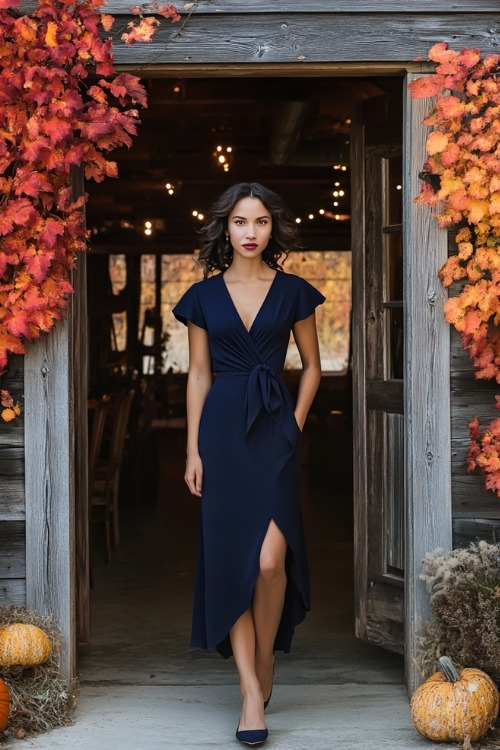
(424, 87)
(38, 264)
(469, 57)
(18, 324)
(168, 11)
(52, 229)
(5, 398)
(21, 211)
(440, 53)
(30, 150)
(32, 183)
(9, 344)
(98, 93)
(58, 129)
(6, 223)
(127, 85)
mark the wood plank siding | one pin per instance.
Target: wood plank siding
(243, 32)
(12, 507)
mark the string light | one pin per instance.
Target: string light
(223, 156)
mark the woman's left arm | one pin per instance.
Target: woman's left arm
(306, 338)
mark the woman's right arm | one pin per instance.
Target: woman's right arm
(199, 383)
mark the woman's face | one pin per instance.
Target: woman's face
(249, 227)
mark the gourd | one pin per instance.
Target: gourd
(451, 705)
(23, 645)
(4, 705)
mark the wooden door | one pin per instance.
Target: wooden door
(80, 416)
(378, 348)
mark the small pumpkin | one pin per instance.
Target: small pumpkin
(23, 645)
(4, 705)
(451, 705)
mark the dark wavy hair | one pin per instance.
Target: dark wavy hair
(216, 253)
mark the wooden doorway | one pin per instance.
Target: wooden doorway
(426, 425)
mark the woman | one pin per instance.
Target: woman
(243, 461)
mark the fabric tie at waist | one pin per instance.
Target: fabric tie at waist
(266, 391)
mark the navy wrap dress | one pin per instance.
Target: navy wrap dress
(249, 443)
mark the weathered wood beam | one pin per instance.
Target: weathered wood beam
(302, 38)
(218, 7)
(427, 379)
(49, 455)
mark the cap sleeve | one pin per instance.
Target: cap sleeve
(189, 308)
(308, 298)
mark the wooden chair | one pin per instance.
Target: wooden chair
(106, 478)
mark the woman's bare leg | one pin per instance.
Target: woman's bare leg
(253, 634)
(242, 636)
(267, 605)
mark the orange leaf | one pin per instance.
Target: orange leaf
(51, 35)
(107, 21)
(478, 208)
(436, 142)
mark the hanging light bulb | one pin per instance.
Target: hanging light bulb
(223, 156)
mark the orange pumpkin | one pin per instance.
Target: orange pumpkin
(4, 705)
(451, 705)
(23, 645)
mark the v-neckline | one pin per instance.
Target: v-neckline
(262, 304)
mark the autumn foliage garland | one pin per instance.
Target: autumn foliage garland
(52, 119)
(462, 179)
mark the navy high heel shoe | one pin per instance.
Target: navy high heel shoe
(251, 736)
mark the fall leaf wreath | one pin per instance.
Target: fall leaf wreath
(53, 117)
(461, 179)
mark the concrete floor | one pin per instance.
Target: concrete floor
(142, 687)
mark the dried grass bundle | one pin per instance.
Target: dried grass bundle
(464, 587)
(40, 699)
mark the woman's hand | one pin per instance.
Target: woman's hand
(194, 474)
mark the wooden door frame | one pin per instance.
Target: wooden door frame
(50, 449)
(427, 381)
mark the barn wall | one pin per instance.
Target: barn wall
(12, 505)
(476, 511)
